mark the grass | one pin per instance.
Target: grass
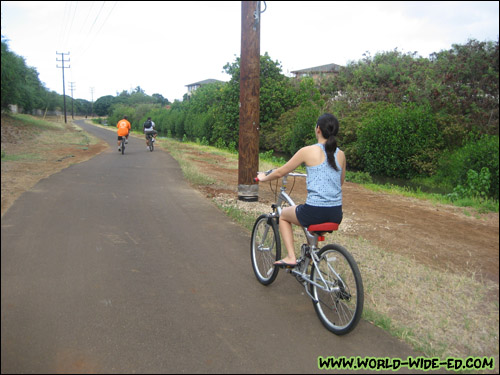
(20, 157)
(190, 171)
(438, 313)
(47, 134)
(38, 123)
(480, 205)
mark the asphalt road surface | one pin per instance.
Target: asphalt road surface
(116, 265)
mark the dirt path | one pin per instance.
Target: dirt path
(436, 235)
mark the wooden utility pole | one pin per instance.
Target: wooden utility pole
(92, 105)
(248, 161)
(71, 87)
(64, 89)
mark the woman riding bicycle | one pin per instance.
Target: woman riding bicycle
(325, 166)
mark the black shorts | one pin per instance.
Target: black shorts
(309, 215)
(148, 132)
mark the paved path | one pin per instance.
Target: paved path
(116, 265)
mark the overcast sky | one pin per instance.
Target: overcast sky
(164, 46)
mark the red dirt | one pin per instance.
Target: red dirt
(441, 236)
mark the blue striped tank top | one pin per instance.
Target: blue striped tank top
(323, 183)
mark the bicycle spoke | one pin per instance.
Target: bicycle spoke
(340, 291)
(265, 249)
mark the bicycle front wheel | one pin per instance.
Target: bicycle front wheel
(265, 249)
(339, 294)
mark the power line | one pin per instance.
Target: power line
(62, 31)
(98, 14)
(99, 18)
(86, 18)
(68, 33)
(111, 11)
(102, 25)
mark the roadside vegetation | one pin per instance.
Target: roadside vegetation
(430, 121)
(41, 135)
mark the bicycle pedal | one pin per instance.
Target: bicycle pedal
(286, 266)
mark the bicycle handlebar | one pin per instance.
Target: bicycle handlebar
(292, 174)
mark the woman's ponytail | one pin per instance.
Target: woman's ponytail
(329, 126)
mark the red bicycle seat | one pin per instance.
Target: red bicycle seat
(324, 227)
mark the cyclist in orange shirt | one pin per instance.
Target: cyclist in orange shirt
(123, 130)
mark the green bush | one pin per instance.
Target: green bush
(398, 141)
(270, 157)
(300, 131)
(475, 155)
(158, 115)
(120, 110)
(358, 177)
(476, 186)
(350, 118)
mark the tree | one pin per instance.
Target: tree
(160, 99)
(103, 105)
(276, 97)
(467, 78)
(9, 70)
(83, 107)
(19, 83)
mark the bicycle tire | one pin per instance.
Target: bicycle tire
(151, 144)
(123, 146)
(265, 249)
(339, 311)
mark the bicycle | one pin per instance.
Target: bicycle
(122, 145)
(330, 275)
(151, 139)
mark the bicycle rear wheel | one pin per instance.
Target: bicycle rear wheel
(151, 144)
(340, 297)
(123, 145)
(265, 249)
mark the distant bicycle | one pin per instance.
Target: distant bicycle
(122, 144)
(330, 275)
(151, 141)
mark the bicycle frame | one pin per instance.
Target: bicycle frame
(284, 197)
(312, 241)
(150, 139)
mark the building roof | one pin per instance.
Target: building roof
(205, 82)
(328, 68)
